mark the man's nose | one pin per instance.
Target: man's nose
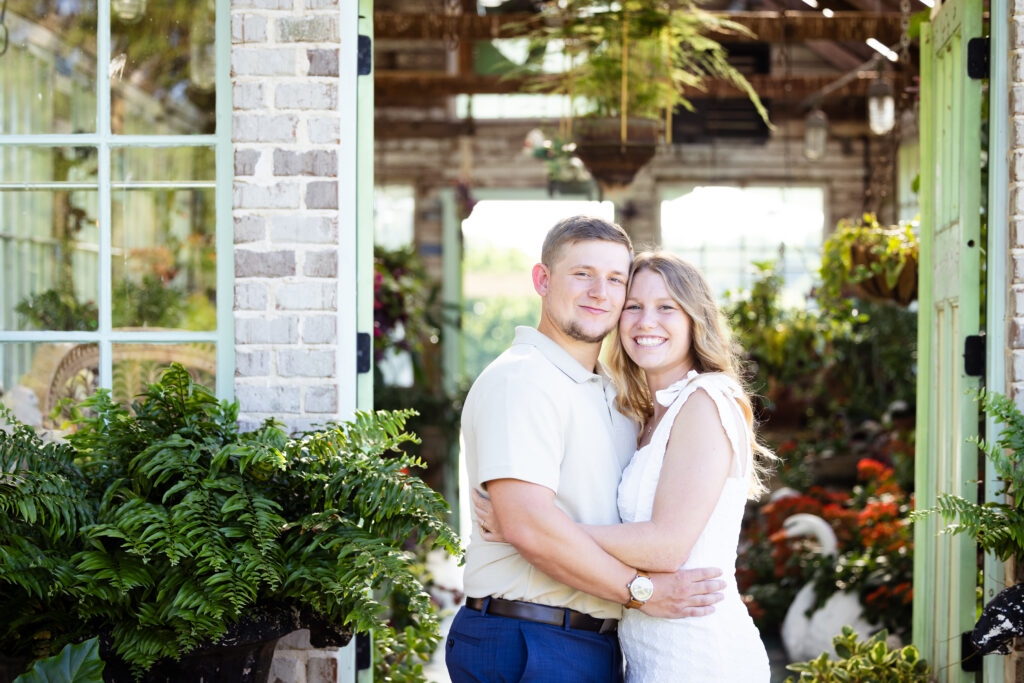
(599, 289)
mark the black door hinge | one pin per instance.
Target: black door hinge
(364, 345)
(364, 56)
(970, 659)
(974, 355)
(977, 57)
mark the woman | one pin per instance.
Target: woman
(681, 498)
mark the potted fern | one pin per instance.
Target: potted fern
(630, 63)
(168, 533)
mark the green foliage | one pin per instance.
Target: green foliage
(869, 661)
(668, 51)
(58, 310)
(406, 305)
(997, 527)
(788, 347)
(491, 325)
(79, 663)
(835, 360)
(163, 524)
(151, 302)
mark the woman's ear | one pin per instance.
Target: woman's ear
(541, 278)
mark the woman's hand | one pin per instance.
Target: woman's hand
(486, 519)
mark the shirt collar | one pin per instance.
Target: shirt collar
(555, 354)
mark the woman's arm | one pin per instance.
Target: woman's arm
(693, 473)
(697, 463)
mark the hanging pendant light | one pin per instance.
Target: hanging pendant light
(815, 134)
(128, 11)
(881, 107)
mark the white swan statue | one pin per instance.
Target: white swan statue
(806, 637)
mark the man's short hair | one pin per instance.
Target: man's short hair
(581, 229)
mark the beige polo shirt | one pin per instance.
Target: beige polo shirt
(537, 415)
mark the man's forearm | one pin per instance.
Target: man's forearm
(552, 542)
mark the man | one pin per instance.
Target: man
(543, 438)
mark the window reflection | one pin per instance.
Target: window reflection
(49, 240)
(169, 66)
(47, 76)
(163, 263)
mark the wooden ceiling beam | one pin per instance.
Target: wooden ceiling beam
(772, 27)
(407, 86)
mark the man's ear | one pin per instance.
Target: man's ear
(540, 278)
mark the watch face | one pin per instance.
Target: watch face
(641, 588)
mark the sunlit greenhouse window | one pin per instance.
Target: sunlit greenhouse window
(725, 229)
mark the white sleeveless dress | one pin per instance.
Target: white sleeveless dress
(724, 646)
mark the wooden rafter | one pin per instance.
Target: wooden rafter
(406, 86)
(773, 27)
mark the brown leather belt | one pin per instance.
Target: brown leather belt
(542, 614)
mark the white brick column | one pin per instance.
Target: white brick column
(1016, 194)
(284, 66)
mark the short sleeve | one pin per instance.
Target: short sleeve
(517, 431)
(722, 391)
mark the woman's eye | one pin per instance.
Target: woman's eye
(632, 307)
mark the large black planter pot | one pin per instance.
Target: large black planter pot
(243, 655)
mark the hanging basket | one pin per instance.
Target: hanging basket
(877, 287)
(612, 162)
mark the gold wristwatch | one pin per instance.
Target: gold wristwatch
(641, 588)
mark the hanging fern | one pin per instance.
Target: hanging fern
(998, 527)
(163, 524)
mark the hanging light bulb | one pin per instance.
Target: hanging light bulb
(815, 134)
(128, 11)
(881, 107)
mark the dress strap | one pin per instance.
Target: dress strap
(724, 392)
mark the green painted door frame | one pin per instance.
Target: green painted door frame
(945, 567)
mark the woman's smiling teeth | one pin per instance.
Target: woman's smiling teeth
(649, 341)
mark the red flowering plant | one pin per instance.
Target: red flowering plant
(878, 563)
(874, 560)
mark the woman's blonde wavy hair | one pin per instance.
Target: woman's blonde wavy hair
(712, 350)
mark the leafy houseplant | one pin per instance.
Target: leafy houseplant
(869, 661)
(867, 260)
(630, 63)
(163, 528)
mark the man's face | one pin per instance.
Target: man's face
(584, 289)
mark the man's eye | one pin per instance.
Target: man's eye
(617, 281)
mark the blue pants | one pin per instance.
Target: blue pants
(486, 648)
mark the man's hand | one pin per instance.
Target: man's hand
(685, 593)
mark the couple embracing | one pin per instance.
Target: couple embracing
(612, 497)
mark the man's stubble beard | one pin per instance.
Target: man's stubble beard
(573, 330)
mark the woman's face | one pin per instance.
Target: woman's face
(654, 330)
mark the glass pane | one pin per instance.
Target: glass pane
(37, 376)
(49, 239)
(48, 75)
(164, 263)
(138, 365)
(48, 165)
(163, 67)
(163, 164)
